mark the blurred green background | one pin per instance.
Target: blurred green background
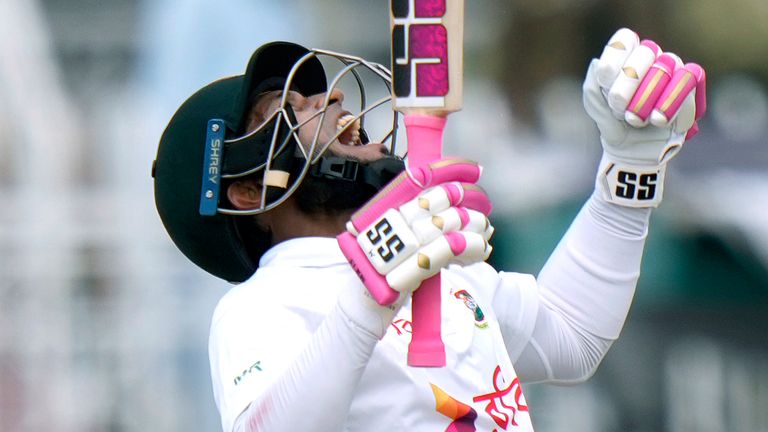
(104, 325)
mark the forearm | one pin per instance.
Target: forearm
(586, 289)
(315, 392)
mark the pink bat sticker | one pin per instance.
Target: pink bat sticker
(420, 53)
(430, 42)
(429, 8)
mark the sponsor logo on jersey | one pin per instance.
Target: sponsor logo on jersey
(254, 367)
(463, 415)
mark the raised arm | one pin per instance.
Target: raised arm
(646, 104)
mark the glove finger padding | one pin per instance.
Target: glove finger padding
(452, 219)
(683, 100)
(437, 199)
(650, 89)
(409, 184)
(639, 82)
(615, 53)
(461, 247)
(631, 73)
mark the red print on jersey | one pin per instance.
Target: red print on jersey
(504, 403)
(402, 326)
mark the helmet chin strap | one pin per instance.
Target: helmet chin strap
(376, 174)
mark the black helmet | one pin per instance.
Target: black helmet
(206, 144)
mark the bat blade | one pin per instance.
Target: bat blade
(427, 55)
(427, 67)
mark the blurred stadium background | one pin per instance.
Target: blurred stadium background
(104, 325)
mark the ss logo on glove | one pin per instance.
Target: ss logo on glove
(633, 185)
(629, 184)
(388, 241)
(392, 243)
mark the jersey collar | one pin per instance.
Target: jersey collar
(304, 252)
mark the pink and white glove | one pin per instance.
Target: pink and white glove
(646, 104)
(419, 223)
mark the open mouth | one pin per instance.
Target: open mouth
(348, 129)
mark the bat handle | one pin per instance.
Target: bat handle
(425, 142)
(427, 348)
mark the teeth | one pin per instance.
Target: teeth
(351, 125)
(345, 120)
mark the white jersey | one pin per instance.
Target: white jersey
(265, 322)
(300, 346)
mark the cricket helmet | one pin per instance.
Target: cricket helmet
(206, 145)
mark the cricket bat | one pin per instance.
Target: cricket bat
(427, 68)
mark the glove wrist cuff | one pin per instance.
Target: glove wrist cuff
(630, 185)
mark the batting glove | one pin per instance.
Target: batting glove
(422, 221)
(646, 104)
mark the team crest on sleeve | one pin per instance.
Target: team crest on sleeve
(472, 305)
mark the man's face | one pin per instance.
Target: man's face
(336, 121)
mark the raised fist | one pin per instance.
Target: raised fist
(646, 104)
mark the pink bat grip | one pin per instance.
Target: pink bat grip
(407, 186)
(425, 138)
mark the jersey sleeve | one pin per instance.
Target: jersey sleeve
(516, 304)
(247, 355)
(585, 292)
(267, 365)
(592, 274)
